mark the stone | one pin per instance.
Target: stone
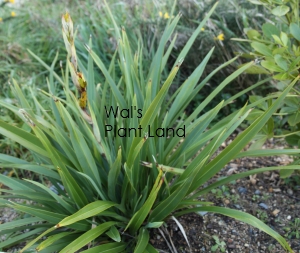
(257, 192)
(242, 190)
(290, 192)
(263, 205)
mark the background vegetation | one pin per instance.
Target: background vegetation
(35, 25)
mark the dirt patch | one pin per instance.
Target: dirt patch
(266, 196)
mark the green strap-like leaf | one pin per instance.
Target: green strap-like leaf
(118, 96)
(139, 217)
(113, 175)
(68, 181)
(89, 210)
(20, 238)
(170, 203)
(142, 242)
(14, 183)
(52, 239)
(114, 247)
(19, 223)
(152, 110)
(268, 152)
(87, 237)
(51, 217)
(150, 249)
(28, 245)
(42, 170)
(114, 234)
(80, 146)
(26, 139)
(187, 92)
(58, 198)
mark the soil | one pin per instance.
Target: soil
(273, 200)
(267, 197)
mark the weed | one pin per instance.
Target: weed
(262, 215)
(219, 244)
(255, 197)
(293, 229)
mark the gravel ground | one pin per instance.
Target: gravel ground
(265, 196)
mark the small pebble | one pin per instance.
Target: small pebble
(251, 231)
(226, 201)
(257, 192)
(276, 190)
(237, 206)
(290, 192)
(246, 245)
(263, 205)
(242, 190)
(289, 217)
(221, 223)
(231, 246)
(275, 212)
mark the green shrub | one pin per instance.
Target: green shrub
(103, 189)
(277, 53)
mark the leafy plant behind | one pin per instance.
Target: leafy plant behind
(277, 52)
(108, 191)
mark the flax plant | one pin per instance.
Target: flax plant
(106, 186)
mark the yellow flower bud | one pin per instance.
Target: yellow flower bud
(81, 80)
(83, 100)
(67, 26)
(220, 37)
(166, 15)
